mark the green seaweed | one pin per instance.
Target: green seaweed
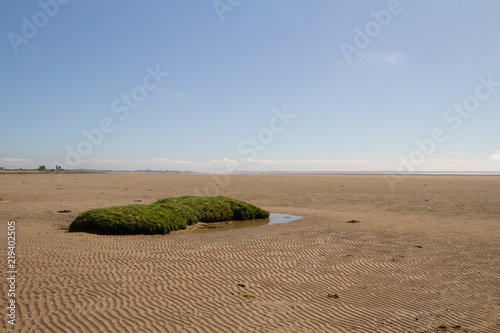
(164, 215)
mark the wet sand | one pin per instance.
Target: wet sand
(424, 258)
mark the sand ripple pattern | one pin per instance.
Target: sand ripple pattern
(388, 273)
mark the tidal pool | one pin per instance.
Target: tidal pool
(227, 225)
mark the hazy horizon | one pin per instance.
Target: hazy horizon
(230, 86)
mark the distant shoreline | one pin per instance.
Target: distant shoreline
(384, 173)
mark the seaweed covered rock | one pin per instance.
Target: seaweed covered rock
(164, 215)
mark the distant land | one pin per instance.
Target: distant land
(149, 171)
(21, 170)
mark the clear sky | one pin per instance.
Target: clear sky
(271, 85)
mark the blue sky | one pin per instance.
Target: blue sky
(257, 85)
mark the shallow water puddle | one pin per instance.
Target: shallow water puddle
(282, 218)
(227, 225)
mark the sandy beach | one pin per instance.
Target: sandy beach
(423, 258)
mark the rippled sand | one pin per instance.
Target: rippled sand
(424, 258)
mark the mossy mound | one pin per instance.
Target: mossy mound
(128, 220)
(164, 215)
